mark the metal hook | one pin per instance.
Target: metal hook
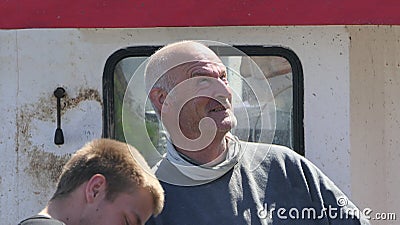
(59, 136)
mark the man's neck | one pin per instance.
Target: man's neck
(64, 210)
(217, 147)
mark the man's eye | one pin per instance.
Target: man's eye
(223, 76)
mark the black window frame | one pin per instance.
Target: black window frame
(250, 50)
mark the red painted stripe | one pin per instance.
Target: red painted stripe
(152, 13)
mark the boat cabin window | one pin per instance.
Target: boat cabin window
(267, 83)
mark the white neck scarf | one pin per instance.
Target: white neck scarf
(209, 171)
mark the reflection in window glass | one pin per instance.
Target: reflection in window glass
(277, 70)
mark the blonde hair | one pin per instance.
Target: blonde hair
(121, 164)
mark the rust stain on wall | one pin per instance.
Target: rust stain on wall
(42, 166)
(45, 109)
(45, 167)
(83, 95)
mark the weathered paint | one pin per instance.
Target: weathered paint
(8, 128)
(44, 168)
(375, 116)
(33, 162)
(35, 62)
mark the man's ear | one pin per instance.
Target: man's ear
(96, 188)
(157, 97)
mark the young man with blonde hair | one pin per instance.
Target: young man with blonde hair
(105, 182)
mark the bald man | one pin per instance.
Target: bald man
(206, 173)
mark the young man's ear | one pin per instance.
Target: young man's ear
(157, 97)
(96, 188)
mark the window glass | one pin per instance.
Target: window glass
(278, 71)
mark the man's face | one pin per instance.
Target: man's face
(126, 209)
(201, 91)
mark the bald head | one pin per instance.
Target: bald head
(170, 57)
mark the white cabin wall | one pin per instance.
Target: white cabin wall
(8, 128)
(375, 116)
(35, 63)
(40, 60)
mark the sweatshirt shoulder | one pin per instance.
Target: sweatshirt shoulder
(272, 151)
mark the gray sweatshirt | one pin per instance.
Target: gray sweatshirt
(284, 188)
